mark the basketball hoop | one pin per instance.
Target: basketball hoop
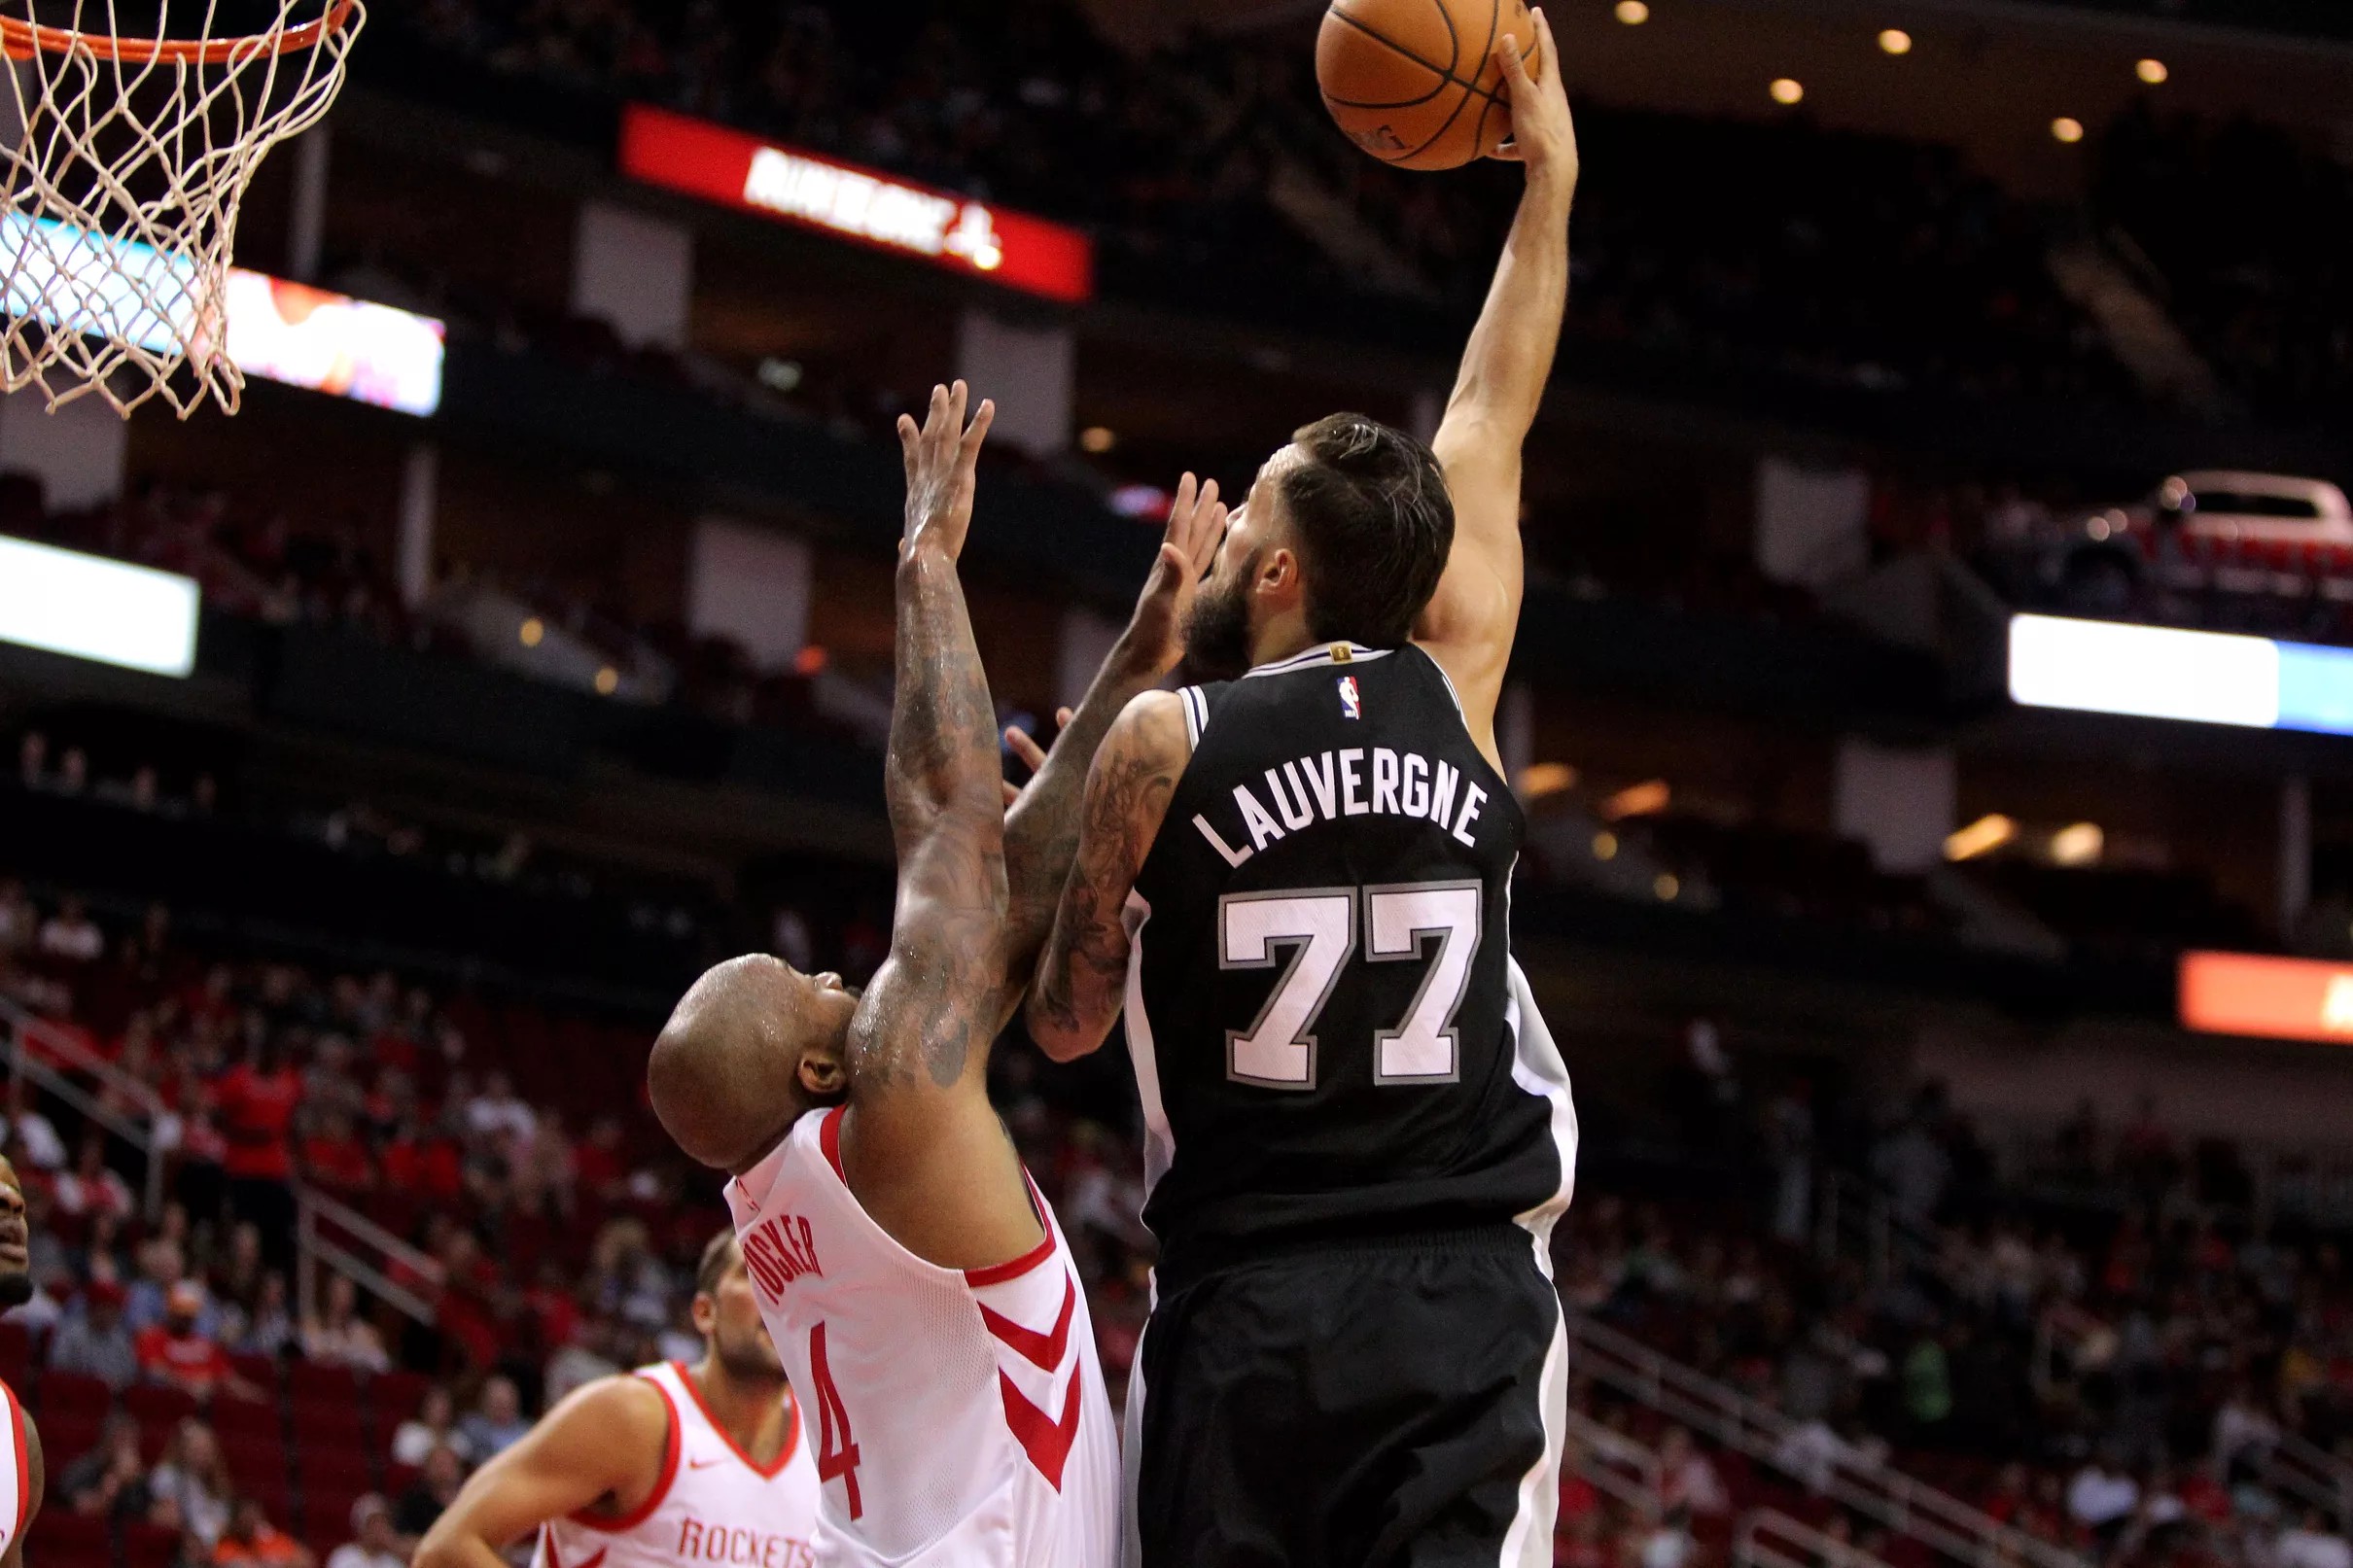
(126, 167)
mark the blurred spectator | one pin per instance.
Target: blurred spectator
(435, 1488)
(1688, 1481)
(95, 1341)
(90, 1187)
(2102, 1498)
(374, 1543)
(192, 1480)
(2311, 1543)
(497, 1113)
(256, 1101)
(268, 1328)
(433, 1426)
(70, 934)
(20, 921)
(251, 1541)
(111, 1480)
(496, 1422)
(179, 1352)
(337, 1336)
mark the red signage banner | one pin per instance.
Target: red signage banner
(2274, 998)
(734, 169)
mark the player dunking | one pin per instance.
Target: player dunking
(667, 1467)
(22, 1473)
(1297, 883)
(915, 1282)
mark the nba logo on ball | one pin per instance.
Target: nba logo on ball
(1351, 701)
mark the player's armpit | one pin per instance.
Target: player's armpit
(1082, 974)
(604, 1445)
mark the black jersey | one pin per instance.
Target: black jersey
(1331, 1040)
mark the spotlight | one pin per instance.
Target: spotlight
(1668, 886)
(1097, 439)
(532, 633)
(1895, 41)
(608, 681)
(1606, 846)
(1788, 91)
(1632, 13)
(2153, 72)
(1982, 837)
(2067, 129)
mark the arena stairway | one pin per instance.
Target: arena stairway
(1949, 1528)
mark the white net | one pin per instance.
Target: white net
(128, 143)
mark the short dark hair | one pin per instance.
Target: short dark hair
(718, 1256)
(1375, 524)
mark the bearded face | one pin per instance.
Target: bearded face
(1217, 631)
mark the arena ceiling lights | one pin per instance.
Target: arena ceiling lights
(84, 607)
(2157, 672)
(697, 158)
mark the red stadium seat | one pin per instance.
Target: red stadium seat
(248, 1418)
(144, 1545)
(394, 1396)
(260, 1371)
(321, 1382)
(329, 1426)
(158, 1404)
(70, 1540)
(17, 1358)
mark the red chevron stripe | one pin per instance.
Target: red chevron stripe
(1041, 1350)
(1047, 1443)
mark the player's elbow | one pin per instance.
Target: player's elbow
(1058, 1029)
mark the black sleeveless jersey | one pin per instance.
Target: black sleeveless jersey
(1330, 1037)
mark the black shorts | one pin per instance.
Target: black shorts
(1356, 1406)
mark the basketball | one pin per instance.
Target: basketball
(1415, 82)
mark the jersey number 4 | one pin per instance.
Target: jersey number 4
(836, 1448)
(1319, 927)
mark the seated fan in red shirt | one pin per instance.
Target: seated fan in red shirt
(177, 1352)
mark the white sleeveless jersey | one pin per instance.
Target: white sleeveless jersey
(16, 1480)
(959, 1418)
(713, 1505)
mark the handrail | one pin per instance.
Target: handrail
(317, 1219)
(2298, 1465)
(1642, 1492)
(24, 1029)
(1755, 1544)
(1907, 1506)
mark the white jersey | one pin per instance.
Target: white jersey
(16, 1480)
(713, 1505)
(960, 1417)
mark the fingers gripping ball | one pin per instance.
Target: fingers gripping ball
(1415, 83)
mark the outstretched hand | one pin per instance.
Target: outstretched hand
(943, 457)
(1544, 134)
(1196, 527)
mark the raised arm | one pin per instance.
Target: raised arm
(919, 1145)
(1472, 619)
(601, 1449)
(1082, 973)
(1043, 829)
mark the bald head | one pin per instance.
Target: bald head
(751, 1048)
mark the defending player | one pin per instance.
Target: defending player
(1297, 883)
(664, 1467)
(916, 1284)
(22, 1473)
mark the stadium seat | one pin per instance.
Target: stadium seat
(158, 1404)
(144, 1545)
(260, 1371)
(249, 1418)
(394, 1396)
(321, 1382)
(17, 1358)
(328, 1426)
(70, 1540)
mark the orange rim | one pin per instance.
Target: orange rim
(24, 40)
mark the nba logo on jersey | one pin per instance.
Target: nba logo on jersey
(1352, 700)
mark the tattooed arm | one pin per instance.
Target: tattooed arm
(921, 1147)
(1042, 830)
(1082, 974)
